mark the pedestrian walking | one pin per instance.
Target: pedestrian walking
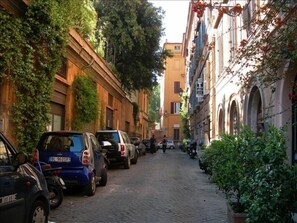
(164, 143)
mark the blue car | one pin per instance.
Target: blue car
(23, 189)
(79, 155)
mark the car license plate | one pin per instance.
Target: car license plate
(60, 159)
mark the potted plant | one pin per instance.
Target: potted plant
(270, 192)
(224, 160)
(253, 174)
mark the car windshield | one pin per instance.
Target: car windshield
(63, 143)
(108, 136)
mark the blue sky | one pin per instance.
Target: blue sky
(175, 18)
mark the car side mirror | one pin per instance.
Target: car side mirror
(22, 158)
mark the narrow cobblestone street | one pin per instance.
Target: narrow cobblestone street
(160, 188)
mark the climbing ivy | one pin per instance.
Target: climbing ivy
(86, 102)
(184, 117)
(31, 47)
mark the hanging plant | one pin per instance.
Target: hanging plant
(31, 47)
(85, 102)
(272, 44)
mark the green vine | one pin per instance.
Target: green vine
(31, 47)
(86, 102)
(184, 117)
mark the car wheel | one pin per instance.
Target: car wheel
(38, 213)
(56, 196)
(90, 188)
(127, 163)
(103, 180)
(134, 160)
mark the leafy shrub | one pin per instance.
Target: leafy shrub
(254, 175)
(270, 186)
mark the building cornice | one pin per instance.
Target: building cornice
(82, 52)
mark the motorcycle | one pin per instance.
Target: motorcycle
(192, 151)
(55, 184)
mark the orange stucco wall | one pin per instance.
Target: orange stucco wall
(175, 72)
(81, 59)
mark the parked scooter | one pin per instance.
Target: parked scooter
(192, 150)
(55, 184)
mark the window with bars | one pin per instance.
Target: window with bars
(176, 107)
(176, 87)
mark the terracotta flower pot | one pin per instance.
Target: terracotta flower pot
(234, 217)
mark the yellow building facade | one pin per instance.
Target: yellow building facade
(172, 86)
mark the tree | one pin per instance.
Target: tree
(154, 105)
(132, 30)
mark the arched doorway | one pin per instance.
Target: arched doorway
(255, 111)
(221, 122)
(234, 119)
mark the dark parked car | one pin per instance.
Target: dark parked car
(23, 190)
(79, 155)
(119, 147)
(139, 145)
(147, 144)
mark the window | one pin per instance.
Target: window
(233, 36)
(176, 87)
(176, 134)
(63, 143)
(110, 100)
(234, 122)
(5, 156)
(176, 47)
(127, 127)
(63, 70)
(96, 146)
(57, 117)
(109, 118)
(175, 107)
(221, 122)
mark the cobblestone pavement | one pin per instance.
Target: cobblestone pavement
(160, 188)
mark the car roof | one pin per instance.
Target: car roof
(65, 132)
(109, 130)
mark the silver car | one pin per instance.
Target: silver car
(119, 147)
